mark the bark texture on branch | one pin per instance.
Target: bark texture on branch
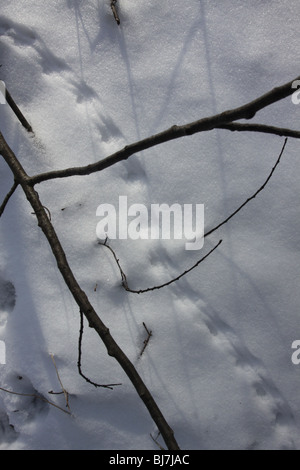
(17, 111)
(221, 120)
(81, 298)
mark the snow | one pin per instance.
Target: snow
(218, 362)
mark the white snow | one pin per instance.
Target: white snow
(218, 362)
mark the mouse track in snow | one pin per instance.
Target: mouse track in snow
(105, 130)
(266, 394)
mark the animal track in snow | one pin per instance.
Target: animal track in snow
(267, 398)
(21, 34)
(27, 403)
(24, 36)
(104, 130)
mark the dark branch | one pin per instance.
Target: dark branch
(113, 6)
(244, 112)
(148, 289)
(17, 111)
(250, 198)
(7, 197)
(281, 131)
(80, 297)
(123, 276)
(110, 386)
(149, 334)
(141, 291)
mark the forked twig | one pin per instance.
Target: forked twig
(123, 275)
(64, 391)
(40, 397)
(80, 297)
(146, 341)
(141, 291)
(223, 120)
(110, 386)
(156, 442)
(86, 308)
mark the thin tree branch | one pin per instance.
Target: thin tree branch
(17, 111)
(80, 297)
(266, 129)
(246, 111)
(146, 341)
(33, 395)
(156, 442)
(113, 6)
(64, 391)
(140, 291)
(180, 275)
(148, 289)
(252, 197)
(110, 386)
(7, 197)
(123, 276)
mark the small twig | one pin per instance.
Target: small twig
(178, 277)
(141, 291)
(35, 396)
(149, 333)
(113, 6)
(252, 197)
(47, 210)
(123, 276)
(156, 442)
(110, 386)
(7, 197)
(17, 111)
(64, 391)
(264, 128)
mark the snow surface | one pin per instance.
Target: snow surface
(219, 359)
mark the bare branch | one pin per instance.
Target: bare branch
(17, 111)
(252, 197)
(80, 297)
(246, 111)
(7, 197)
(64, 391)
(110, 386)
(223, 120)
(113, 6)
(148, 289)
(140, 291)
(123, 276)
(281, 131)
(149, 334)
(34, 395)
